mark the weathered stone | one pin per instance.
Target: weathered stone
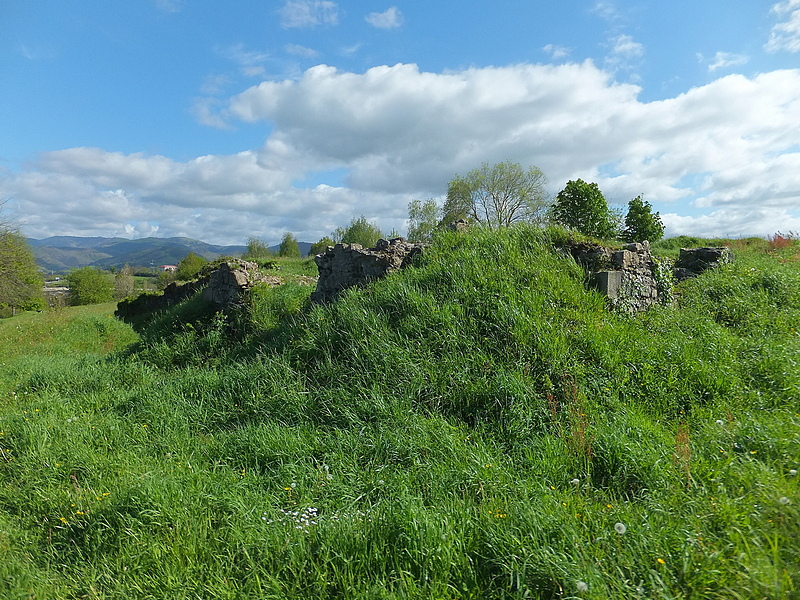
(346, 265)
(608, 283)
(232, 279)
(459, 225)
(693, 261)
(224, 286)
(626, 277)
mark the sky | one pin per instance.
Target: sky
(222, 121)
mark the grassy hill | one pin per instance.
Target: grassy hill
(477, 426)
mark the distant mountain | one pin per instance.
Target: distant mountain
(62, 253)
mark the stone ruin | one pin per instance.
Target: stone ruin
(693, 261)
(633, 279)
(627, 277)
(228, 284)
(347, 265)
(224, 285)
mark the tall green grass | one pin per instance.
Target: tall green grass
(477, 426)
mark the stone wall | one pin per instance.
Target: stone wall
(233, 279)
(346, 265)
(225, 285)
(627, 277)
(693, 261)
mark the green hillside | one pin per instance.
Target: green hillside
(476, 426)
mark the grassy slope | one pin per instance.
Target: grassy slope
(471, 428)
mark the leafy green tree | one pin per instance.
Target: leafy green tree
(423, 218)
(641, 223)
(582, 206)
(257, 250)
(164, 278)
(88, 285)
(190, 266)
(360, 231)
(320, 246)
(20, 281)
(498, 196)
(289, 247)
(123, 283)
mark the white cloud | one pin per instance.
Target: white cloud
(607, 11)
(557, 52)
(786, 34)
(308, 13)
(727, 149)
(723, 60)
(624, 53)
(388, 19)
(298, 50)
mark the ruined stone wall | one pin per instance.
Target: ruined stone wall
(627, 277)
(347, 265)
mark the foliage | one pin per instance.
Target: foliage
(641, 223)
(257, 250)
(423, 218)
(456, 430)
(360, 231)
(190, 266)
(582, 206)
(20, 280)
(164, 278)
(124, 283)
(88, 285)
(289, 247)
(497, 196)
(320, 246)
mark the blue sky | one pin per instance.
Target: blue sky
(225, 120)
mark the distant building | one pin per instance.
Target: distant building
(168, 268)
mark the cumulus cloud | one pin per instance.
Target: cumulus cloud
(388, 19)
(727, 149)
(308, 13)
(785, 35)
(723, 60)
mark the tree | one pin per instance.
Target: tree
(497, 196)
(360, 231)
(88, 285)
(423, 218)
(320, 246)
(123, 283)
(583, 207)
(190, 266)
(289, 247)
(641, 223)
(257, 250)
(20, 281)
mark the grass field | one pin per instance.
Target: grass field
(477, 426)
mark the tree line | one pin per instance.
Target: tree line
(505, 193)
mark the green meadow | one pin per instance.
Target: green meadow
(478, 426)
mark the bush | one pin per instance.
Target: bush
(88, 285)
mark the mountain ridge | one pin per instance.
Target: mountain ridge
(63, 253)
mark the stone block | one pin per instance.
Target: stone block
(608, 283)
